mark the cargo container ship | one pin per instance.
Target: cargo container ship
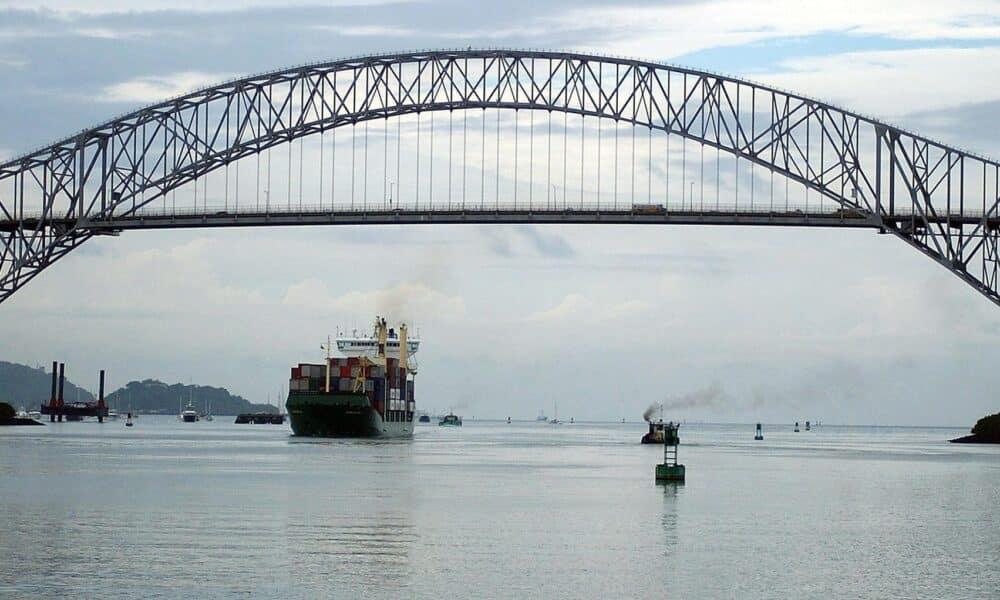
(367, 393)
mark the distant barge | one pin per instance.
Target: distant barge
(260, 419)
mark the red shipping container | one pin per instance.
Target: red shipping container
(345, 371)
(296, 372)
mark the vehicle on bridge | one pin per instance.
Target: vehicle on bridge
(649, 209)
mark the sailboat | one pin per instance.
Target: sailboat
(555, 419)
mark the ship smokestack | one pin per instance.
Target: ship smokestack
(404, 349)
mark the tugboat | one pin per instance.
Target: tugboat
(450, 420)
(655, 433)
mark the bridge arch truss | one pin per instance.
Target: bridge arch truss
(941, 200)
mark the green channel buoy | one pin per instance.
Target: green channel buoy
(670, 470)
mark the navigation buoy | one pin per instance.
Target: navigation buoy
(670, 470)
(759, 436)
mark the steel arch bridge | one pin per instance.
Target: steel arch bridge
(942, 201)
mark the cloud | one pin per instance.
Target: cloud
(546, 244)
(368, 30)
(95, 7)
(895, 82)
(11, 61)
(576, 309)
(157, 88)
(407, 301)
(677, 29)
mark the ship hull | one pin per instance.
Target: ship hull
(340, 415)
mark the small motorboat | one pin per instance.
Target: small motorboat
(424, 419)
(451, 420)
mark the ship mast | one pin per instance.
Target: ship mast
(327, 364)
(403, 348)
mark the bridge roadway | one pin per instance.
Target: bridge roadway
(153, 219)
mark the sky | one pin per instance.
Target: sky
(722, 324)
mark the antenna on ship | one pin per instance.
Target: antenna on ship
(327, 348)
(380, 331)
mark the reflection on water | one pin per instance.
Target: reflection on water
(494, 510)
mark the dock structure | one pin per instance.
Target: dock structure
(670, 470)
(58, 410)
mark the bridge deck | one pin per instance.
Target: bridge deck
(409, 216)
(151, 219)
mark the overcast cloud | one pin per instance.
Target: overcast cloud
(769, 324)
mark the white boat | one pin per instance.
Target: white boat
(188, 414)
(555, 420)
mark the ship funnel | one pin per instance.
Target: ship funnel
(404, 349)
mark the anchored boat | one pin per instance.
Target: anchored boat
(367, 393)
(189, 414)
(451, 420)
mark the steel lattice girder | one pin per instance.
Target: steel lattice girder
(939, 199)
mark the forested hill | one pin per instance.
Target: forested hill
(27, 387)
(155, 397)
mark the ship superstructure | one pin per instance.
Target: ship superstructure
(367, 393)
(357, 345)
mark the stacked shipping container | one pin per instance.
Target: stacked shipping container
(387, 387)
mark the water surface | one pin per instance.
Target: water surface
(490, 510)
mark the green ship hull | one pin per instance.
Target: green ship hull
(343, 414)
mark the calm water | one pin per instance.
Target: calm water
(491, 510)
